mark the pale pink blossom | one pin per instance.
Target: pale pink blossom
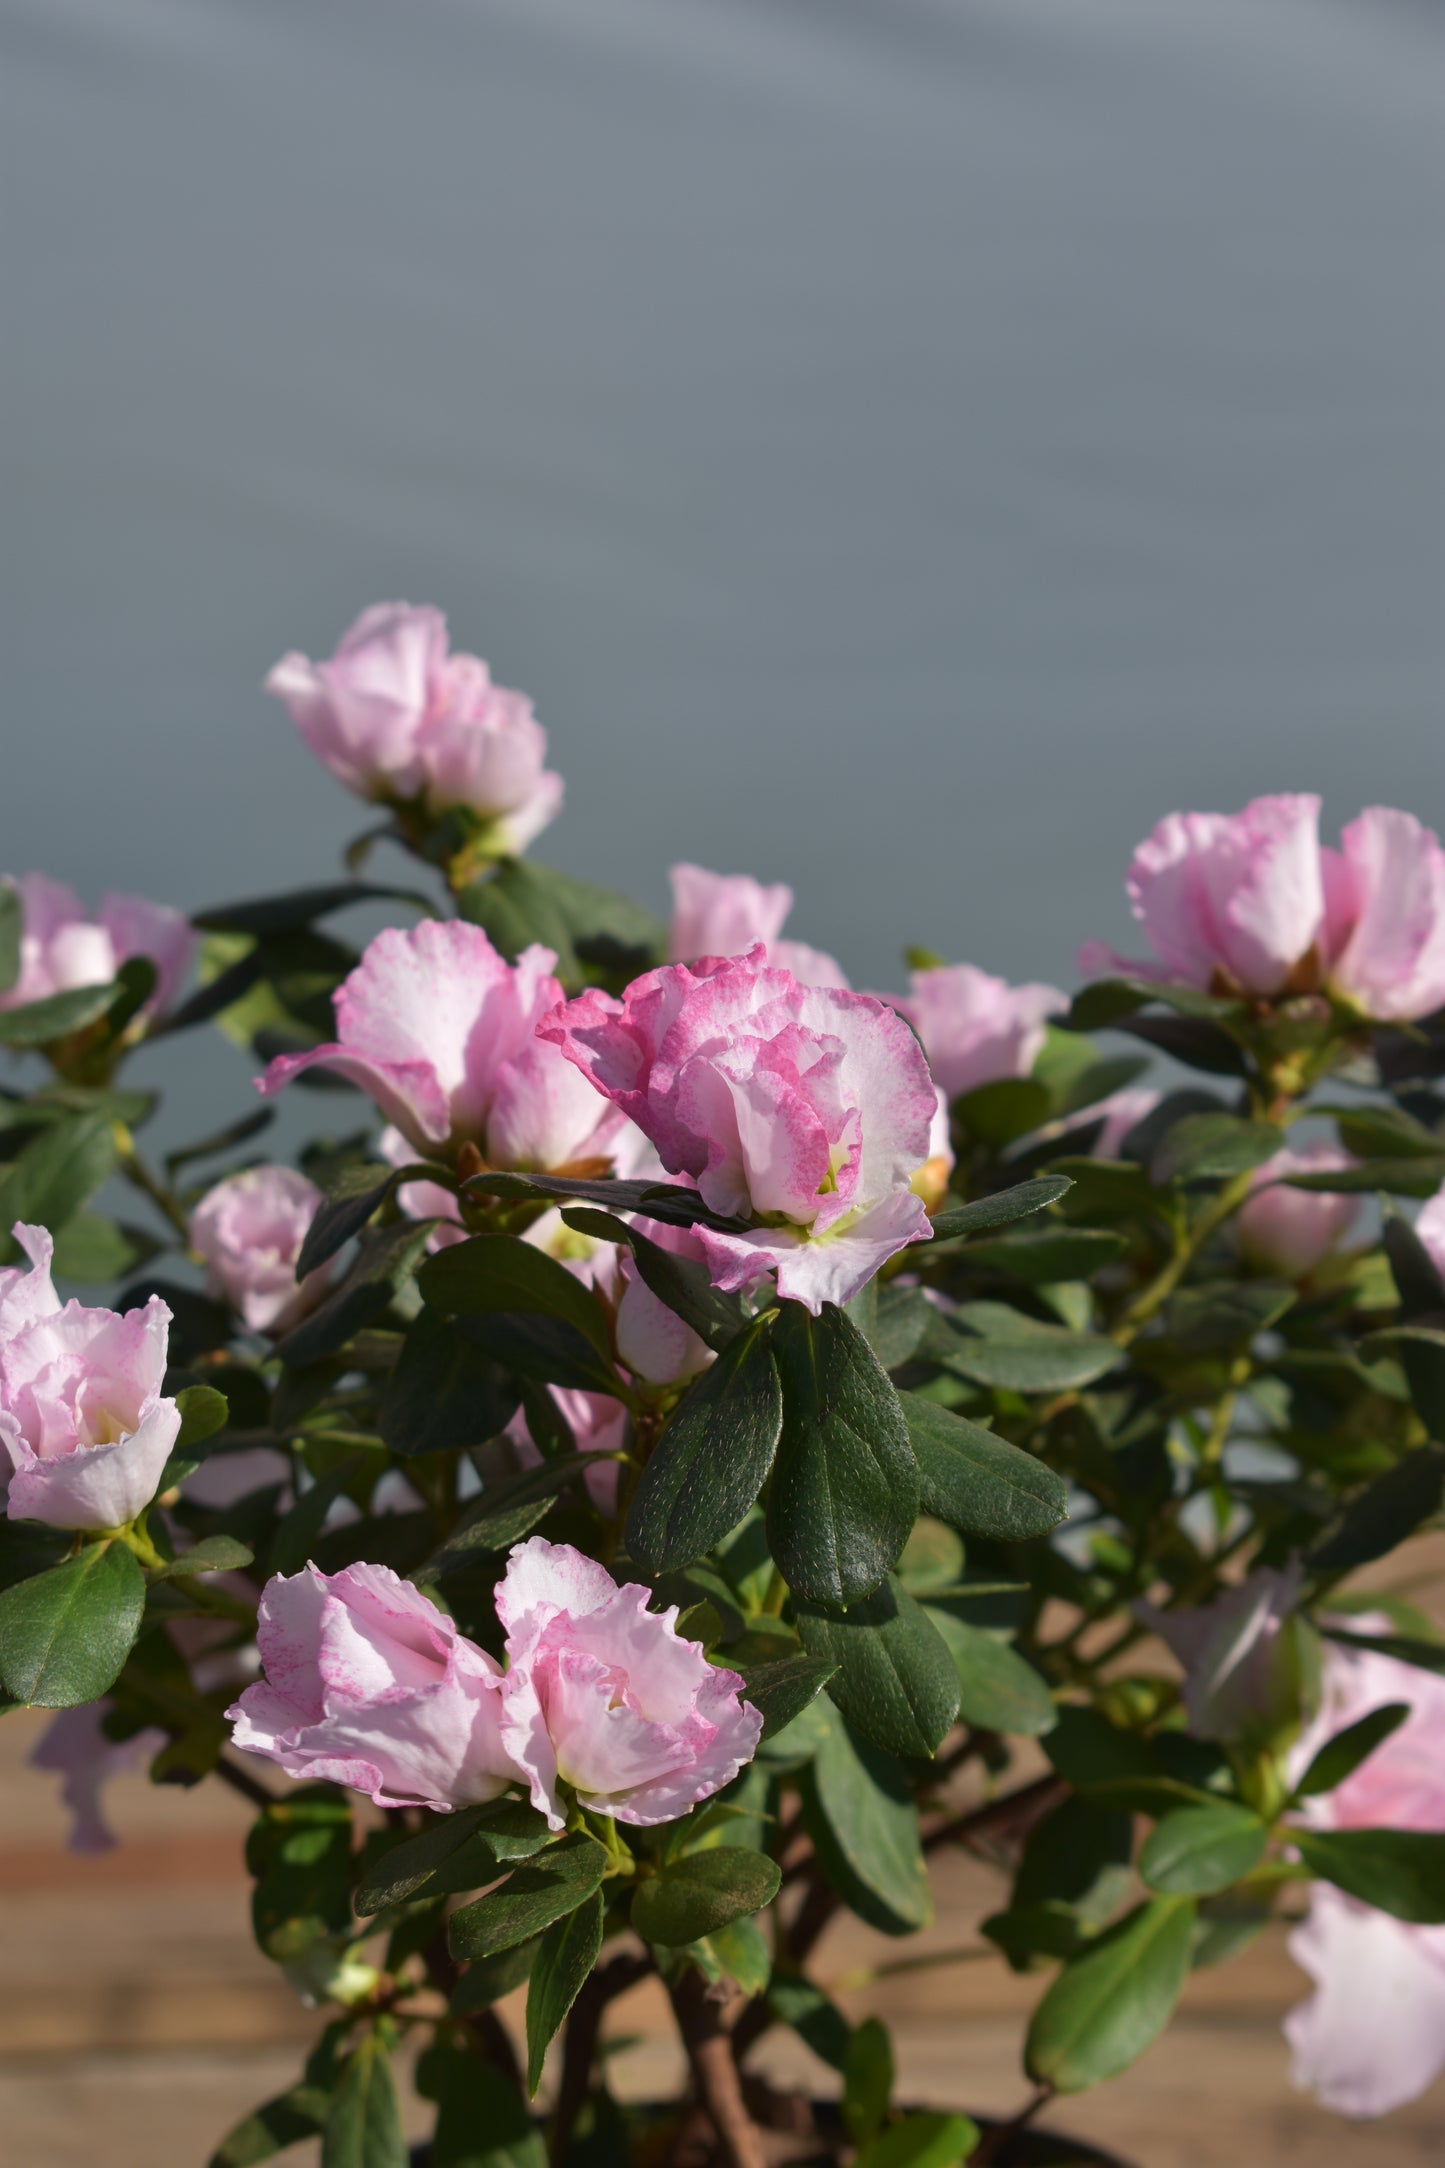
(603, 1696)
(61, 948)
(1372, 2036)
(1242, 1677)
(1121, 1112)
(1430, 1228)
(82, 1415)
(367, 1684)
(398, 718)
(598, 1424)
(977, 1029)
(76, 1747)
(1291, 1232)
(249, 1230)
(806, 1110)
(1252, 903)
(726, 914)
(441, 1032)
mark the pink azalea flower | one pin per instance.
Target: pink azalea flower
(1292, 1231)
(602, 1695)
(440, 1032)
(1241, 1674)
(249, 1230)
(806, 1110)
(60, 948)
(1252, 903)
(726, 914)
(977, 1029)
(75, 1747)
(81, 1412)
(396, 717)
(367, 1684)
(598, 1424)
(1372, 2035)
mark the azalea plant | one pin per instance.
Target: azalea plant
(688, 1443)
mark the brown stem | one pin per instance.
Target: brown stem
(996, 2139)
(579, 2042)
(710, 2054)
(242, 1781)
(1014, 1814)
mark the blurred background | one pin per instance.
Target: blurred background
(903, 447)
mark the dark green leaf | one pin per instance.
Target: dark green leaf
(299, 907)
(998, 1112)
(1113, 2000)
(500, 1273)
(669, 1202)
(1108, 1000)
(505, 1511)
(860, 1814)
(1399, 1871)
(1054, 1253)
(1211, 1147)
(895, 1681)
(550, 1887)
(701, 1892)
(1223, 1314)
(1202, 1849)
(782, 1691)
(565, 1955)
(997, 1689)
(524, 902)
(978, 1482)
(446, 1392)
(363, 2129)
(1396, 1177)
(386, 1259)
(490, 1978)
(1416, 1275)
(999, 1209)
(1341, 1756)
(1383, 1132)
(902, 1317)
(1385, 1512)
(712, 1458)
(684, 1284)
(483, 1838)
(845, 1489)
(1004, 1348)
(55, 1174)
(213, 1554)
(819, 2023)
(542, 1350)
(357, 1192)
(867, 2080)
(65, 1634)
(274, 2126)
(94, 1250)
(482, 2119)
(1427, 1655)
(41, 1023)
(204, 1411)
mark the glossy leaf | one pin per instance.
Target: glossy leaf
(1202, 1849)
(566, 1953)
(482, 1838)
(997, 1689)
(895, 1679)
(1342, 1755)
(65, 1634)
(712, 1459)
(977, 1482)
(363, 2128)
(780, 1692)
(927, 2138)
(544, 1890)
(1112, 2001)
(1212, 1147)
(860, 1814)
(1385, 1512)
(702, 1892)
(500, 1273)
(446, 1392)
(1004, 1206)
(385, 1260)
(1399, 1871)
(845, 1488)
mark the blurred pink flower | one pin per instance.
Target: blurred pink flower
(60, 948)
(977, 1029)
(602, 1695)
(1292, 1231)
(441, 1033)
(725, 914)
(1241, 1670)
(249, 1230)
(81, 1412)
(1251, 903)
(807, 1110)
(396, 717)
(75, 1747)
(1372, 2035)
(1121, 1111)
(367, 1684)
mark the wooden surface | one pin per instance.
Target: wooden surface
(133, 2031)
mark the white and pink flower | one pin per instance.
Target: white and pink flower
(1252, 903)
(805, 1110)
(397, 717)
(1292, 1231)
(1372, 2035)
(603, 1695)
(82, 1416)
(249, 1230)
(61, 948)
(977, 1029)
(726, 914)
(441, 1032)
(368, 1684)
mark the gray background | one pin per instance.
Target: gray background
(904, 446)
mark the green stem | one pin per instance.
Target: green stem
(143, 1178)
(1187, 1248)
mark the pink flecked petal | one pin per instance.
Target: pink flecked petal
(1267, 890)
(809, 966)
(407, 1093)
(543, 1577)
(1372, 2035)
(545, 1114)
